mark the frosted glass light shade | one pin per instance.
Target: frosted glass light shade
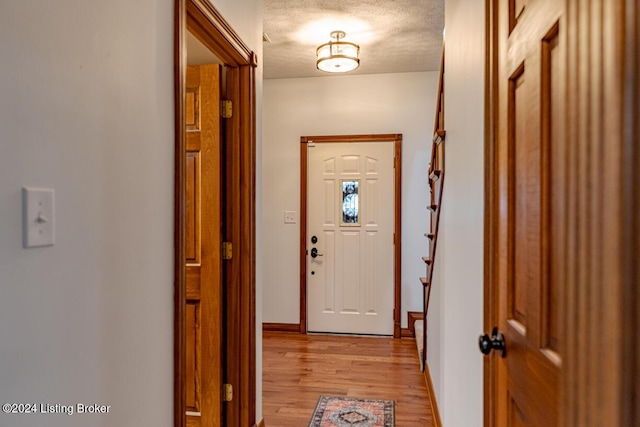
(338, 56)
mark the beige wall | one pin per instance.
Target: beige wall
(86, 108)
(455, 313)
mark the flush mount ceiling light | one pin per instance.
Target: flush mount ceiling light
(337, 56)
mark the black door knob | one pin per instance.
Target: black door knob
(494, 342)
(314, 253)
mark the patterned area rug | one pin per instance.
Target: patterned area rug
(352, 412)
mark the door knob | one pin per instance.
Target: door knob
(314, 253)
(493, 342)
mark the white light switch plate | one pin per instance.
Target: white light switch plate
(38, 217)
(289, 217)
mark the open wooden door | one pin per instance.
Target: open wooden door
(204, 324)
(531, 229)
(561, 228)
(237, 201)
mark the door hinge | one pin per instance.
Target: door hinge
(227, 392)
(226, 109)
(227, 250)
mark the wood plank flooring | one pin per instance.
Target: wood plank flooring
(297, 369)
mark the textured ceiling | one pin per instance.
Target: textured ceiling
(394, 35)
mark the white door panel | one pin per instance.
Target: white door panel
(350, 283)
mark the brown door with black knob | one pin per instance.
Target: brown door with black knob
(531, 220)
(561, 248)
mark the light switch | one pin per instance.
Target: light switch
(38, 217)
(289, 217)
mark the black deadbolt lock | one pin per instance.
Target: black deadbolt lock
(314, 239)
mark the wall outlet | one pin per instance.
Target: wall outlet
(290, 217)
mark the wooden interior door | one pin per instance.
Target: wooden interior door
(562, 212)
(203, 248)
(350, 241)
(532, 218)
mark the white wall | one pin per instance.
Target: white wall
(341, 105)
(86, 107)
(456, 318)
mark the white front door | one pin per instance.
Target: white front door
(350, 223)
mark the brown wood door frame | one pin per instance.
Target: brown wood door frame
(238, 147)
(600, 383)
(397, 274)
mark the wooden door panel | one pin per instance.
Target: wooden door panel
(516, 8)
(192, 219)
(553, 190)
(515, 416)
(531, 189)
(193, 251)
(192, 317)
(192, 106)
(517, 285)
(570, 362)
(203, 309)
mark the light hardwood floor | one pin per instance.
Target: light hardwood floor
(297, 369)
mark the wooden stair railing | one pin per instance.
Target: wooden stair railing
(436, 181)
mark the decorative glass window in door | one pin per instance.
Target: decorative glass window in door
(350, 203)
